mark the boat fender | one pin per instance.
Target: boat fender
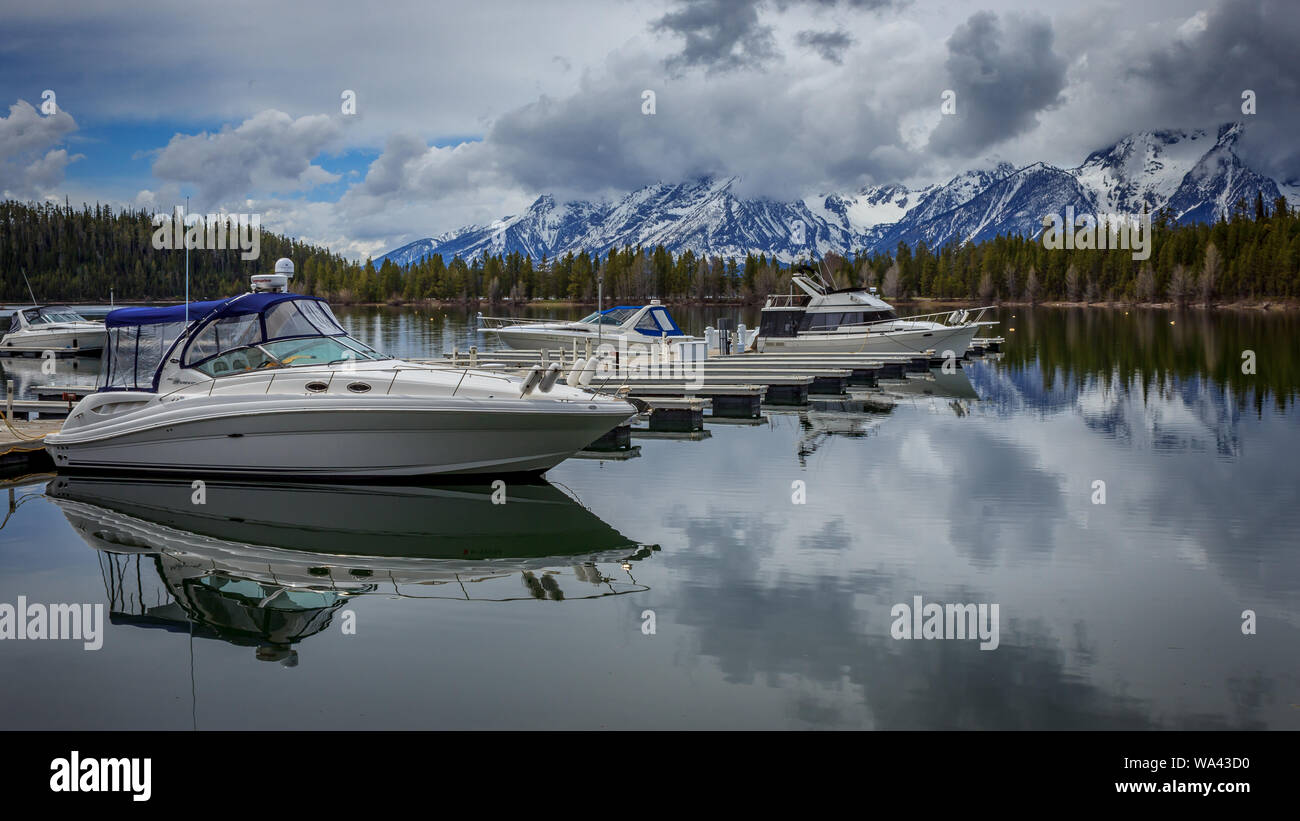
(588, 371)
(548, 380)
(575, 373)
(532, 381)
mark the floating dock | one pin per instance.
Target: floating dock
(22, 445)
(36, 353)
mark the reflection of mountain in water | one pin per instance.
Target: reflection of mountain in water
(269, 565)
(1191, 414)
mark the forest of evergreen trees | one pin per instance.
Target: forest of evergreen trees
(71, 255)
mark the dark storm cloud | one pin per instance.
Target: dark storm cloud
(727, 34)
(1198, 79)
(720, 34)
(775, 136)
(1004, 71)
(831, 45)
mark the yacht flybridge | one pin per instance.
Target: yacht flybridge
(822, 319)
(53, 328)
(269, 384)
(626, 323)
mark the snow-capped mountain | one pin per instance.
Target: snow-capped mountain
(1196, 173)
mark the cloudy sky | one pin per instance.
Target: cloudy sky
(467, 111)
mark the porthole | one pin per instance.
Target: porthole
(359, 387)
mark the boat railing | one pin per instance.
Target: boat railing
(787, 300)
(957, 318)
(491, 322)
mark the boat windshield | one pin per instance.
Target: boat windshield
(288, 353)
(614, 316)
(45, 316)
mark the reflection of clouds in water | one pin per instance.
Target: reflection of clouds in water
(1235, 511)
(817, 637)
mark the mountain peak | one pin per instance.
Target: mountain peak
(1185, 170)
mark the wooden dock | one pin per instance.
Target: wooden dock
(62, 392)
(22, 445)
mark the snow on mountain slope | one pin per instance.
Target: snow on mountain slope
(1198, 175)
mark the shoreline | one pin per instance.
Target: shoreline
(1272, 304)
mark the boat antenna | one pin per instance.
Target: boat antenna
(29, 286)
(187, 261)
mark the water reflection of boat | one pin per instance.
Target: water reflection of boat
(267, 565)
(954, 385)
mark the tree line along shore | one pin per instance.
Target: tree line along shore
(1250, 257)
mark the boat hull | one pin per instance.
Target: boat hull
(533, 339)
(387, 437)
(90, 340)
(940, 340)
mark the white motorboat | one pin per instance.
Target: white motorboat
(622, 325)
(269, 384)
(821, 319)
(53, 328)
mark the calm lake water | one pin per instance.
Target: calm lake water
(432, 607)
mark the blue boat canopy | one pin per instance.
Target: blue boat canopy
(141, 340)
(654, 321)
(242, 304)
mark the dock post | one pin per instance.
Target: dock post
(9, 401)
(473, 356)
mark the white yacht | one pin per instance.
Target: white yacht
(53, 328)
(269, 384)
(627, 323)
(822, 319)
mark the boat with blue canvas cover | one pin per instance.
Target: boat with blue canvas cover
(269, 383)
(630, 324)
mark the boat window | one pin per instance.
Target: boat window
(649, 325)
(614, 316)
(59, 315)
(821, 321)
(320, 315)
(222, 335)
(134, 352)
(286, 320)
(780, 323)
(288, 353)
